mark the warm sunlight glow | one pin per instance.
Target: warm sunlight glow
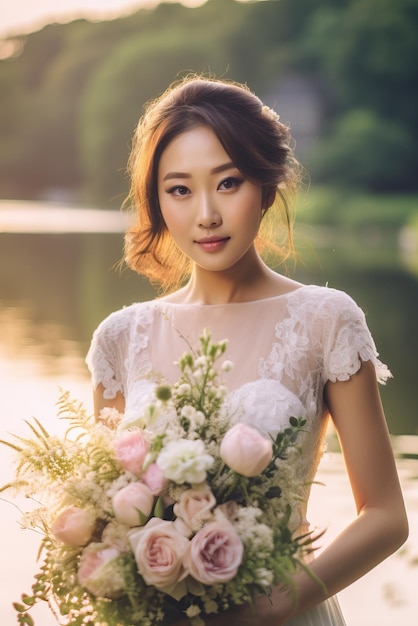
(23, 16)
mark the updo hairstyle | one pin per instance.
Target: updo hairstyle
(250, 133)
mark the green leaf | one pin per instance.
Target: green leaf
(142, 518)
(159, 508)
(20, 608)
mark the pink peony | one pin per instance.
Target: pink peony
(131, 448)
(100, 571)
(215, 553)
(154, 479)
(245, 450)
(132, 505)
(159, 552)
(74, 526)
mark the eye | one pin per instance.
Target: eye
(231, 182)
(178, 190)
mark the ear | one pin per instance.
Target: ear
(268, 199)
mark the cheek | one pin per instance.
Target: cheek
(175, 221)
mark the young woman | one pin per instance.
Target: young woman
(210, 168)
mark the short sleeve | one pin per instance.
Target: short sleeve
(105, 358)
(348, 341)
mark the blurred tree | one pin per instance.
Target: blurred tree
(367, 51)
(363, 150)
(138, 71)
(71, 99)
(11, 149)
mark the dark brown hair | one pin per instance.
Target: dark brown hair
(250, 133)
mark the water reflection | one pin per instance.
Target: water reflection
(55, 288)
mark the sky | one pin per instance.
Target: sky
(23, 16)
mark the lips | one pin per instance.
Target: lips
(211, 239)
(212, 244)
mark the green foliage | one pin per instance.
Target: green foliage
(138, 70)
(356, 209)
(73, 93)
(364, 150)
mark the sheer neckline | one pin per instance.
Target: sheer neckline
(257, 301)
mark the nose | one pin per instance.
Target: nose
(208, 215)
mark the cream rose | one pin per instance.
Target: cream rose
(74, 526)
(195, 507)
(215, 553)
(132, 505)
(131, 448)
(185, 461)
(245, 450)
(159, 553)
(100, 571)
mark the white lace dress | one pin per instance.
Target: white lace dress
(284, 350)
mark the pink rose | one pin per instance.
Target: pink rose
(153, 477)
(159, 552)
(73, 526)
(100, 571)
(245, 450)
(131, 448)
(132, 505)
(214, 553)
(195, 507)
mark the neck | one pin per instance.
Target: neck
(248, 280)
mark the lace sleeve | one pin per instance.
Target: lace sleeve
(348, 340)
(105, 358)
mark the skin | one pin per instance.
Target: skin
(202, 194)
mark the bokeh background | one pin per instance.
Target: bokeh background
(74, 77)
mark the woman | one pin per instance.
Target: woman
(210, 164)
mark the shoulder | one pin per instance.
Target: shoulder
(325, 301)
(120, 322)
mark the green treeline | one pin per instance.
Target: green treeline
(71, 94)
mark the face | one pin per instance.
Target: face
(211, 210)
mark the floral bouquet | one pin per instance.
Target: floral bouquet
(178, 513)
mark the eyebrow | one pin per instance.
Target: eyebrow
(215, 170)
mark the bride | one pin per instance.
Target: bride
(211, 169)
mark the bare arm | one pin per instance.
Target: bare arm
(100, 402)
(380, 526)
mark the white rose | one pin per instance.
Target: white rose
(195, 507)
(185, 461)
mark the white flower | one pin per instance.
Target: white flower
(110, 417)
(188, 412)
(199, 418)
(264, 576)
(227, 366)
(185, 461)
(196, 418)
(184, 389)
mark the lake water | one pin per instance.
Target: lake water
(58, 279)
